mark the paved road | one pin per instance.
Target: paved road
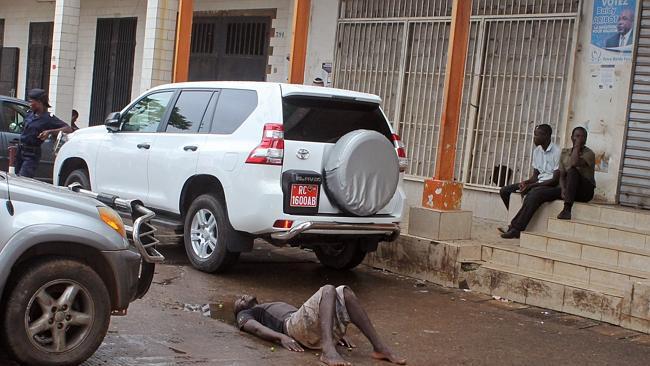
(427, 324)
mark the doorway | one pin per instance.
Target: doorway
(39, 55)
(113, 67)
(229, 48)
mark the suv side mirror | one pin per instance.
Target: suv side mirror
(112, 122)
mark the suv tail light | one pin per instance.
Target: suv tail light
(401, 153)
(271, 150)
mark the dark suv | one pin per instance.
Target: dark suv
(12, 117)
(67, 263)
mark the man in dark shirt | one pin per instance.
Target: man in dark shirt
(39, 125)
(577, 165)
(73, 121)
(320, 323)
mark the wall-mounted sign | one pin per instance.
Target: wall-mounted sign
(613, 31)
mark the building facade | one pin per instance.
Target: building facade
(530, 62)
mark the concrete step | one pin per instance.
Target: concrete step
(560, 266)
(549, 291)
(627, 308)
(608, 254)
(596, 213)
(599, 232)
(618, 216)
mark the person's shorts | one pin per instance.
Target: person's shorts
(304, 324)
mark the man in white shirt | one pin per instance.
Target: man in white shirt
(541, 187)
(624, 35)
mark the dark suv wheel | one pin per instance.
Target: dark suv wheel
(206, 234)
(344, 256)
(80, 176)
(57, 313)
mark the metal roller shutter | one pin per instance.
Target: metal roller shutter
(635, 177)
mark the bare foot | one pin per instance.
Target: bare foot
(388, 356)
(333, 359)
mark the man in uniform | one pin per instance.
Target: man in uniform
(39, 125)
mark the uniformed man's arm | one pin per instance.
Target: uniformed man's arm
(55, 126)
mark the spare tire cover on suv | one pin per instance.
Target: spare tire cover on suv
(362, 172)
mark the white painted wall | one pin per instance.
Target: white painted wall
(91, 10)
(280, 41)
(17, 16)
(322, 38)
(602, 112)
(64, 57)
(159, 44)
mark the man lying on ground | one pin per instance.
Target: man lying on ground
(320, 323)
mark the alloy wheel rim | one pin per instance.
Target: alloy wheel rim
(59, 316)
(204, 233)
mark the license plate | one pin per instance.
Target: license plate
(304, 195)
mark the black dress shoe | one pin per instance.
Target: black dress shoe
(511, 234)
(564, 215)
(503, 229)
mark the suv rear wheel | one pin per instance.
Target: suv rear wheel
(57, 313)
(344, 256)
(206, 234)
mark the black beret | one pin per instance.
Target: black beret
(37, 94)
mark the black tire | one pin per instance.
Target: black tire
(80, 176)
(218, 258)
(344, 256)
(22, 309)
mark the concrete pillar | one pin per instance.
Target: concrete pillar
(183, 40)
(64, 57)
(442, 192)
(440, 216)
(159, 38)
(301, 14)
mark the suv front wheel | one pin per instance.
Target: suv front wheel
(206, 234)
(78, 176)
(57, 313)
(344, 256)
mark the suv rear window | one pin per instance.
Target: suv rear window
(233, 108)
(327, 120)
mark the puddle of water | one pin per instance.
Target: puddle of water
(222, 311)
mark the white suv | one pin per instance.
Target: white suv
(228, 162)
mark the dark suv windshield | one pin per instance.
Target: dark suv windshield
(327, 120)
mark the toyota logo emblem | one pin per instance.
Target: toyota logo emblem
(303, 154)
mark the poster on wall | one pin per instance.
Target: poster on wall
(613, 31)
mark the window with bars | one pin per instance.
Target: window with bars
(203, 37)
(246, 39)
(517, 76)
(374, 9)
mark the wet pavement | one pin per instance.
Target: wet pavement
(178, 321)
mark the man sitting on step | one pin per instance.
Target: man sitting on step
(541, 187)
(576, 173)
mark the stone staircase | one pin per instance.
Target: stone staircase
(596, 265)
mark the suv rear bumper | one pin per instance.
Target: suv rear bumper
(333, 228)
